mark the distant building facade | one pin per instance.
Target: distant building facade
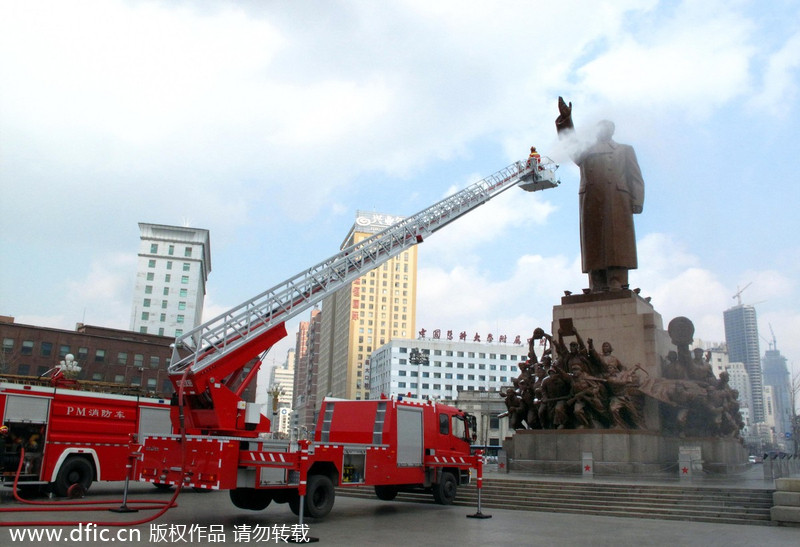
(441, 369)
(372, 310)
(778, 379)
(281, 381)
(171, 274)
(305, 377)
(486, 406)
(104, 355)
(741, 336)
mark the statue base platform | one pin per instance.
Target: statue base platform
(617, 452)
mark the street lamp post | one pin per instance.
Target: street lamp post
(420, 359)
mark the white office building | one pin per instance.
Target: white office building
(280, 394)
(439, 369)
(173, 267)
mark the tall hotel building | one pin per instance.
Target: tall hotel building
(373, 309)
(741, 336)
(174, 263)
(304, 405)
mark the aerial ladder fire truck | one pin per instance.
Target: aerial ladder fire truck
(220, 441)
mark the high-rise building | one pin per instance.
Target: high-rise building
(305, 378)
(173, 267)
(741, 336)
(776, 375)
(280, 394)
(369, 312)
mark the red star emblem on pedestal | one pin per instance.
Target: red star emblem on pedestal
(685, 470)
(587, 468)
(501, 465)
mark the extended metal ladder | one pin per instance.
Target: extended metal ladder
(214, 339)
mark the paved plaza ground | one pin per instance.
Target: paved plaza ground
(372, 522)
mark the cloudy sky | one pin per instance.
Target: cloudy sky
(270, 123)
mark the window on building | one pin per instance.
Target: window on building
(83, 353)
(8, 345)
(184, 280)
(171, 250)
(154, 361)
(146, 303)
(145, 315)
(178, 332)
(63, 350)
(119, 378)
(151, 276)
(151, 383)
(181, 305)
(184, 293)
(46, 349)
(163, 317)
(166, 293)
(154, 247)
(27, 347)
(180, 319)
(188, 252)
(138, 360)
(167, 278)
(148, 289)
(169, 264)
(186, 266)
(97, 376)
(122, 358)
(99, 355)
(143, 330)
(161, 331)
(24, 370)
(151, 263)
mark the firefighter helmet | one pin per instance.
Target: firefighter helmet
(3, 430)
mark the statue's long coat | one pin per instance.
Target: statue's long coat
(611, 191)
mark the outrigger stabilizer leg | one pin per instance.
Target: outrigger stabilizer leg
(479, 514)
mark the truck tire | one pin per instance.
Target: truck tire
(444, 492)
(386, 493)
(320, 496)
(75, 470)
(250, 498)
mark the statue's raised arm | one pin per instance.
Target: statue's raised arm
(564, 120)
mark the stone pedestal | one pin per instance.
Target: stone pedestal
(615, 452)
(629, 323)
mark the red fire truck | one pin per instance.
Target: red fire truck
(70, 436)
(222, 442)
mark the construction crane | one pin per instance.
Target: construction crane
(207, 360)
(738, 295)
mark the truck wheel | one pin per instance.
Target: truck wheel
(444, 492)
(250, 498)
(319, 496)
(75, 470)
(386, 493)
